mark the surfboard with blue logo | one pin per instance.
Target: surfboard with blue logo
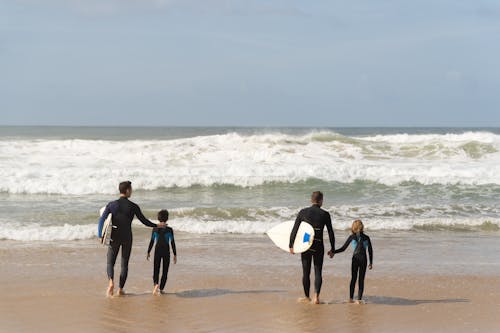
(280, 235)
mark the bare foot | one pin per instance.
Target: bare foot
(111, 289)
(360, 301)
(156, 291)
(350, 300)
(163, 292)
(316, 300)
(304, 300)
(121, 292)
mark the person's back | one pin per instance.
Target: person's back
(163, 238)
(319, 219)
(360, 244)
(123, 211)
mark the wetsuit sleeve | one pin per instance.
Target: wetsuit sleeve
(295, 229)
(370, 250)
(142, 218)
(152, 241)
(331, 234)
(346, 244)
(103, 218)
(172, 243)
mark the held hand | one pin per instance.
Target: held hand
(147, 257)
(370, 266)
(331, 253)
(175, 260)
(291, 250)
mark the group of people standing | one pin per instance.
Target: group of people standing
(319, 218)
(123, 212)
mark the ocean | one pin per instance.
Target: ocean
(245, 180)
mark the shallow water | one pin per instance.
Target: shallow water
(399, 253)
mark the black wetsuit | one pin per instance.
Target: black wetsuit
(164, 238)
(360, 243)
(318, 218)
(123, 211)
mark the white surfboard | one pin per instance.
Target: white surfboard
(280, 235)
(106, 228)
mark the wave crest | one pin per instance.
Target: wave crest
(37, 232)
(95, 166)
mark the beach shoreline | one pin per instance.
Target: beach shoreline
(62, 288)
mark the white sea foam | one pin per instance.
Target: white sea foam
(376, 217)
(95, 166)
(196, 225)
(37, 232)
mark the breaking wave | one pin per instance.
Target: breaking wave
(78, 167)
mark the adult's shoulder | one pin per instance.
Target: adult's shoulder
(112, 204)
(303, 210)
(325, 212)
(133, 204)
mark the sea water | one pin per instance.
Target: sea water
(245, 180)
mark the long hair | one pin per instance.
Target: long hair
(357, 227)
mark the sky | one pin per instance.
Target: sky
(250, 63)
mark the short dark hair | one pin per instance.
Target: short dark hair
(163, 215)
(317, 196)
(124, 187)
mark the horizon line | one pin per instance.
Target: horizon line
(250, 126)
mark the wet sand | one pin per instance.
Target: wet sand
(244, 288)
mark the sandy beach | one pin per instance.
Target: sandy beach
(232, 284)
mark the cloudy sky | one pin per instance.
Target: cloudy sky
(250, 63)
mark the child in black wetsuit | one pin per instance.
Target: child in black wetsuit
(164, 238)
(360, 243)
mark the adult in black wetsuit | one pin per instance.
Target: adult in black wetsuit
(123, 211)
(164, 238)
(360, 243)
(319, 219)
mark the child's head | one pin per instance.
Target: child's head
(357, 227)
(163, 215)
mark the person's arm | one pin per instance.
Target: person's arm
(143, 219)
(344, 247)
(370, 251)
(174, 249)
(172, 243)
(103, 218)
(331, 234)
(152, 241)
(295, 229)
